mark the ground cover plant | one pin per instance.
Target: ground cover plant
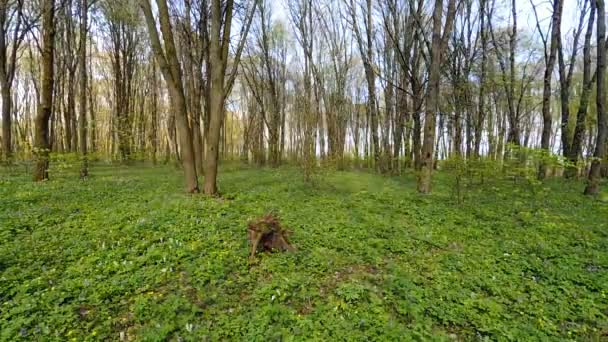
(127, 255)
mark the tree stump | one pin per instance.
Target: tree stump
(268, 234)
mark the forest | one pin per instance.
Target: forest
(295, 170)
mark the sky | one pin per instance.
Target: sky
(526, 19)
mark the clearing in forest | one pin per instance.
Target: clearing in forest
(127, 255)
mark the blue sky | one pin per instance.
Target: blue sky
(526, 18)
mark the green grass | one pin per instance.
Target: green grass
(127, 255)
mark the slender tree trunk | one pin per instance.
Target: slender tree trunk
(92, 111)
(481, 112)
(154, 115)
(593, 186)
(547, 119)
(82, 64)
(41, 142)
(401, 120)
(7, 71)
(565, 79)
(581, 116)
(432, 99)
(70, 113)
(171, 70)
(417, 114)
(221, 21)
(7, 147)
(216, 100)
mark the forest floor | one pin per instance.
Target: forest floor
(127, 255)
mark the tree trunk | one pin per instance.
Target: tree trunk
(579, 130)
(481, 113)
(432, 99)
(154, 115)
(82, 59)
(547, 120)
(417, 114)
(593, 186)
(170, 68)
(216, 100)
(41, 142)
(7, 147)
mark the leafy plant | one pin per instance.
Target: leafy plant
(126, 255)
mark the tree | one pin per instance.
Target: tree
(481, 112)
(192, 47)
(266, 77)
(565, 80)
(12, 33)
(550, 63)
(366, 51)
(581, 115)
(508, 75)
(170, 68)
(439, 41)
(221, 82)
(123, 24)
(302, 18)
(593, 186)
(82, 65)
(334, 32)
(67, 62)
(41, 141)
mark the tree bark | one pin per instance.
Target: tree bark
(8, 63)
(579, 130)
(82, 65)
(171, 71)
(593, 185)
(216, 99)
(432, 99)
(219, 87)
(41, 141)
(547, 120)
(7, 147)
(481, 113)
(366, 51)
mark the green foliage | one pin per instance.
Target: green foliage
(126, 255)
(520, 166)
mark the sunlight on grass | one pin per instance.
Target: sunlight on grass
(127, 255)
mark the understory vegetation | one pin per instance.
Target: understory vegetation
(127, 255)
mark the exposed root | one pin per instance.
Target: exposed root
(268, 234)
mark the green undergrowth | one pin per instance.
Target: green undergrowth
(127, 255)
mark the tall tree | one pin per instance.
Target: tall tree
(267, 80)
(302, 17)
(123, 24)
(566, 72)
(12, 33)
(67, 55)
(508, 72)
(593, 185)
(439, 42)
(41, 141)
(171, 70)
(193, 48)
(334, 32)
(481, 112)
(366, 50)
(550, 63)
(220, 85)
(82, 65)
(581, 115)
